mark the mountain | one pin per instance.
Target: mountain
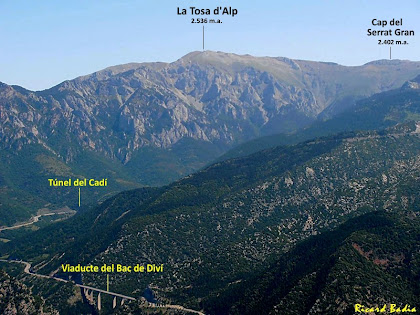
(226, 223)
(213, 97)
(377, 112)
(372, 260)
(152, 123)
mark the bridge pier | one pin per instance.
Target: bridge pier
(89, 292)
(99, 301)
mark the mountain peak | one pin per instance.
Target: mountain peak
(386, 62)
(210, 56)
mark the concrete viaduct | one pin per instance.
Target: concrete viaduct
(88, 292)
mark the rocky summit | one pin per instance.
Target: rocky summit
(215, 97)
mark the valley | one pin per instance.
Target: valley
(256, 184)
(149, 124)
(34, 220)
(258, 207)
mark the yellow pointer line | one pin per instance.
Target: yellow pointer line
(79, 196)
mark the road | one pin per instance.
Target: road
(106, 292)
(33, 220)
(177, 307)
(28, 271)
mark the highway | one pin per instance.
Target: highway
(28, 271)
(177, 307)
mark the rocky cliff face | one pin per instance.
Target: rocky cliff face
(214, 97)
(153, 123)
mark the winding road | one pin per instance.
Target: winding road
(33, 220)
(28, 271)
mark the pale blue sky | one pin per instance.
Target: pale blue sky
(46, 42)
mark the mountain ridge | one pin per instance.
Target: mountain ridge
(377, 112)
(117, 69)
(244, 212)
(153, 123)
(215, 228)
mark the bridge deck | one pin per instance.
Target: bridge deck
(106, 292)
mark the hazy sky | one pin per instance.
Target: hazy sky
(46, 42)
